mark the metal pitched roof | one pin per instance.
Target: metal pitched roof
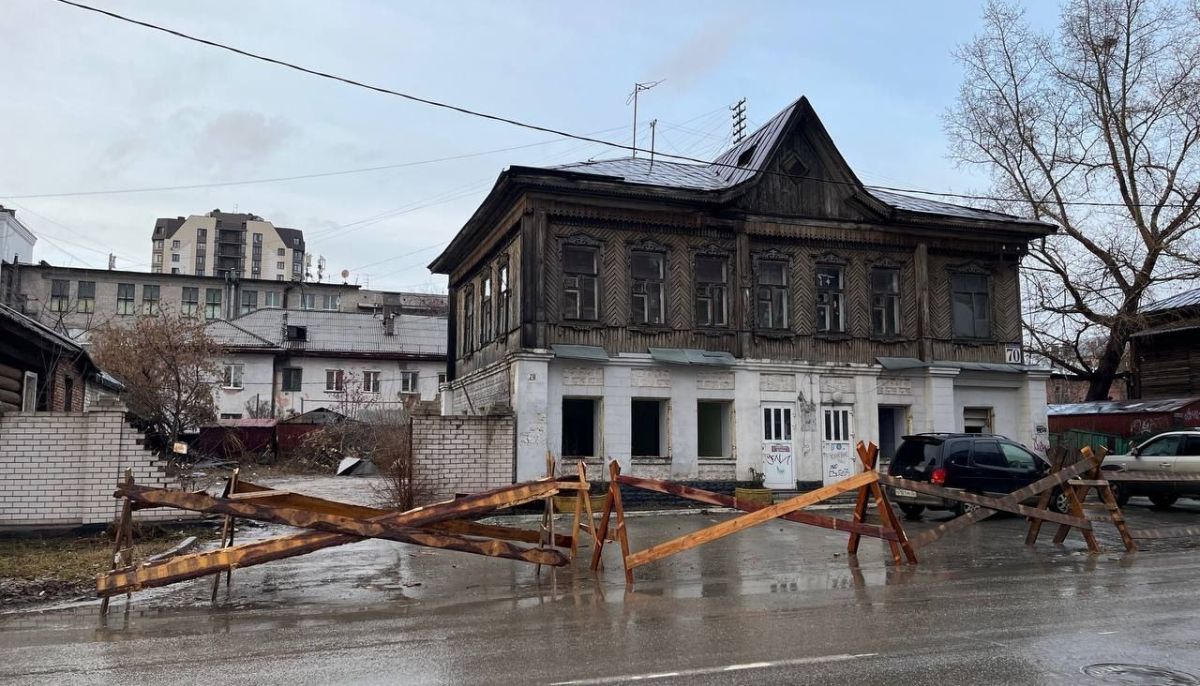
(1185, 299)
(229, 334)
(1121, 406)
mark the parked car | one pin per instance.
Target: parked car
(1173, 452)
(985, 464)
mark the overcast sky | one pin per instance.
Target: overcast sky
(88, 103)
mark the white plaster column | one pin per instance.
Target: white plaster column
(939, 399)
(747, 434)
(1032, 422)
(530, 394)
(616, 432)
(685, 463)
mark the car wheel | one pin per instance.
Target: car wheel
(911, 511)
(1120, 493)
(1163, 501)
(961, 508)
(1059, 502)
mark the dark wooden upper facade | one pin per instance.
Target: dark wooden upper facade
(1165, 356)
(776, 251)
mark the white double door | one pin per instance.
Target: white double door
(838, 459)
(778, 449)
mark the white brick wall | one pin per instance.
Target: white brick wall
(461, 454)
(60, 468)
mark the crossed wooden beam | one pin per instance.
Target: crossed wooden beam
(331, 523)
(867, 484)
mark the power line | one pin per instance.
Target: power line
(315, 175)
(632, 149)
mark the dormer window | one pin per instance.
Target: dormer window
(747, 155)
(297, 333)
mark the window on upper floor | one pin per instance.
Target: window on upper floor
(249, 301)
(485, 310)
(334, 380)
(212, 303)
(125, 304)
(831, 298)
(150, 300)
(646, 272)
(190, 301)
(408, 381)
(293, 379)
(581, 283)
(468, 321)
(771, 294)
(971, 303)
(60, 295)
(272, 299)
(175, 245)
(281, 251)
(503, 298)
(232, 376)
(885, 302)
(86, 297)
(370, 381)
(712, 284)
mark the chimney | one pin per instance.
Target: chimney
(389, 323)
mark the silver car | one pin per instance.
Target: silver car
(1172, 452)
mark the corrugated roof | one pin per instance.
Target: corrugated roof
(230, 334)
(1185, 299)
(1121, 406)
(754, 153)
(348, 332)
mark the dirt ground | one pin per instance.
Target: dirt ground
(36, 569)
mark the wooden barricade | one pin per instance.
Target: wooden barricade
(440, 525)
(1076, 490)
(1134, 476)
(890, 528)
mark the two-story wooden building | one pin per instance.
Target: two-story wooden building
(761, 312)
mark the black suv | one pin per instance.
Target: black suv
(979, 463)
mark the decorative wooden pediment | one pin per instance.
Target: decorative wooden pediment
(579, 239)
(646, 245)
(830, 258)
(969, 267)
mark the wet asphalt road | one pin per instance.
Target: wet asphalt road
(778, 604)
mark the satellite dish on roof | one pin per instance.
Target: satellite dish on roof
(345, 273)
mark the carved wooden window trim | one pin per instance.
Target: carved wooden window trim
(711, 297)
(980, 298)
(884, 283)
(581, 288)
(468, 319)
(772, 301)
(503, 296)
(486, 318)
(830, 287)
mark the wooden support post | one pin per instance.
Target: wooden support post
(231, 488)
(1035, 525)
(869, 456)
(622, 534)
(583, 506)
(548, 509)
(121, 524)
(610, 499)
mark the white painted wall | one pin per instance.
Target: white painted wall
(260, 375)
(16, 240)
(934, 399)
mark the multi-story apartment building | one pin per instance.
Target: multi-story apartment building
(76, 300)
(16, 240)
(227, 244)
(761, 312)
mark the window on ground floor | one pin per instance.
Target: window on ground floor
(648, 428)
(712, 427)
(580, 417)
(977, 420)
(408, 381)
(293, 379)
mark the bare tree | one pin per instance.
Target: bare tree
(168, 364)
(1094, 128)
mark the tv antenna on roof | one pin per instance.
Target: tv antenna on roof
(633, 97)
(739, 121)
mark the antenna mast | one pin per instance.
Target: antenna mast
(653, 128)
(739, 121)
(633, 97)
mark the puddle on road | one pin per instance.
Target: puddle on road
(1146, 675)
